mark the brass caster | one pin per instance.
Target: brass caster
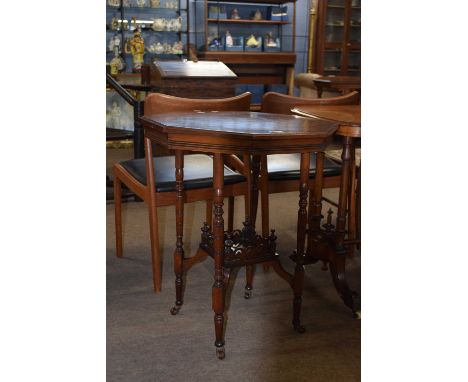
(220, 353)
(175, 310)
(299, 328)
(357, 314)
(247, 294)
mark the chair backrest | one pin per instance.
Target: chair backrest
(157, 103)
(282, 104)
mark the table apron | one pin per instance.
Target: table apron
(227, 145)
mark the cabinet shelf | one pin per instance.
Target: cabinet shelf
(146, 9)
(251, 57)
(231, 21)
(253, 1)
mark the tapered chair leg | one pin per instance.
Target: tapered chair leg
(155, 255)
(153, 216)
(118, 215)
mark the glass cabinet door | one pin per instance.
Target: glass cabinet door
(338, 45)
(162, 25)
(247, 26)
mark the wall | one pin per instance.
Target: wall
(302, 30)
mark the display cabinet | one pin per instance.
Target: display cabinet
(255, 39)
(138, 31)
(338, 38)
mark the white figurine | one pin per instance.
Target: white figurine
(158, 48)
(257, 15)
(115, 114)
(114, 24)
(229, 41)
(126, 3)
(178, 48)
(114, 43)
(158, 24)
(111, 44)
(155, 3)
(141, 3)
(174, 25)
(114, 3)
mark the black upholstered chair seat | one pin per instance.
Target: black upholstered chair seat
(286, 167)
(198, 172)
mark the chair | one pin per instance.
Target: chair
(282, 170)
(154, 181)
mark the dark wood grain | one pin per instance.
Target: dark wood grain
(345, 84)
(339, 80)
(343, 114)
(251, 57)
(201, 79)
(238, 132)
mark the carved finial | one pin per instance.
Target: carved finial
(328, 225)
(205, 235)
(205, 228)
(228, 243)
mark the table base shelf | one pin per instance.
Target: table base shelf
(241, 247)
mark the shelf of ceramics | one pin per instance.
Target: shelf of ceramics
(232, 21)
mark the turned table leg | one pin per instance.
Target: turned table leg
(338, 252)
(315, 203)
(251, 168)
(179, 251)
(301, 233)
(218, 290)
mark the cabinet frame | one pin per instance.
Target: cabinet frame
(345, 47)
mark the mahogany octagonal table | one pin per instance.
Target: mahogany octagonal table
(243, 133)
